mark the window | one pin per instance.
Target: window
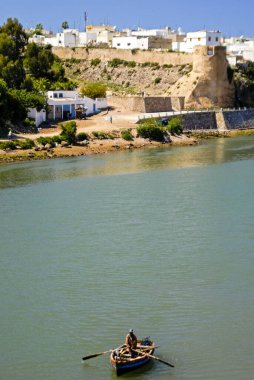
(217, 39)
(54, 95)
(118, 44)
(199, 39)
(209, 39)
(60, 95)
(128, 44)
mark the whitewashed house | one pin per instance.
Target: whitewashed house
(200, 38)
(65, 105)
(240, 48)
(143, 43)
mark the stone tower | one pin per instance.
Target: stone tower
(208, 85)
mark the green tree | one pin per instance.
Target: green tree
(65, 25)
(38, 60)
(13, 73)
(94, 90)
(19, 37)
(38, 29)
(69, 131)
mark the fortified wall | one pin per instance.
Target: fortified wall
(139, 56)
(147, 104)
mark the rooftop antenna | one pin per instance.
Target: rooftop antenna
(85, 18)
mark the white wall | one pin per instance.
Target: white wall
(129, 43)
(38, 116)
(201, 38)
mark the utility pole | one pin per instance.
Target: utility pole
(85, 18)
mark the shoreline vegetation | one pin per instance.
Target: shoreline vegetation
(94, 137)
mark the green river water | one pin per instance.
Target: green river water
(158, 240)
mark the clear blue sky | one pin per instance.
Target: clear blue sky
(232, 17)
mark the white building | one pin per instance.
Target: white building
(65, 105)
(200, 38)
(132, 42)
(242, 49)
(143, 43)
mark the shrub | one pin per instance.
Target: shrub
(27, 144)
(29, 123)
(151, 129)
(8, 145)
(94, 90)
(69, 132)
(167, 66)
(157, 80)
(115, 62)
(175, 126)
(82, 136)
(48, 140)
(130, 64)
(102, 135)
(95, 62)
(126, 135)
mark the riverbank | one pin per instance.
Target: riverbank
(101, 123)
(94, 147)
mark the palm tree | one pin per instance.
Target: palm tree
(65, 25)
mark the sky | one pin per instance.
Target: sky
(232, 17)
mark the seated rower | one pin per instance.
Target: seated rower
(131, 342)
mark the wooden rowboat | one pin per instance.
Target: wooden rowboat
(123, 361)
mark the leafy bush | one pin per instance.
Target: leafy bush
(157, 80)
(68, 133)
(116, 62)
(27, 144)
(29, 123)
(151, 129)
(94, 90)
(130, 64)
(46, 140)
(102, 135)
(8, 145)
(167, 66)
(175, 126)
(95, 62)
(82, 136)
(126, 135)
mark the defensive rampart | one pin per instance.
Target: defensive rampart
(147, 104)
(139, 56)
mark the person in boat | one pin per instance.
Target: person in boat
(131, 342)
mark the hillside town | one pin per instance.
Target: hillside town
(238, 48)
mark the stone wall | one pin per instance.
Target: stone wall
(149, 104)
(217, 120)
(140, 56)
(200, 120)
(239, 119)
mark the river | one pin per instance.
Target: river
(158, 240)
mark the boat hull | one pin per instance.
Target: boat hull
(123, 366)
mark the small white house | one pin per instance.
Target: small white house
(200, 38)
(65, 105)
(131, 42)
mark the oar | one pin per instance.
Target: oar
(155, 358)
(100, 353)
